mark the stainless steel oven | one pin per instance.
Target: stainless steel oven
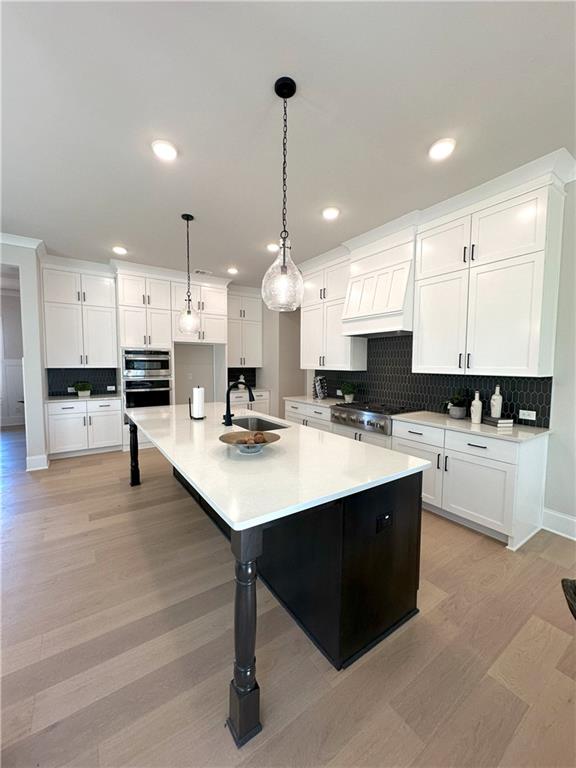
(143, 393)
(146, 364)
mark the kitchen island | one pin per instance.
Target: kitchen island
(321, 514)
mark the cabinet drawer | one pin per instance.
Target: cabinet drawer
(320, 412)
(261, 395)
(295, 408)
(419, 432)
(478, 445)
(67, 407)
(239, 397)
(103, 406)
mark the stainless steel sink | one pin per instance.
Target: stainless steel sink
(256, 424)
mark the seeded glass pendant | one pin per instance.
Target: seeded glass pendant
(189, 319)
(283, 285)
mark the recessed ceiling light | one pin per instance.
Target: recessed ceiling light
(273, 247)
(119, 250)
(164, 150)
(232, 271)
(441, 149)
(330, 214)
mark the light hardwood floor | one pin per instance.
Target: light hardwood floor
(117, 641)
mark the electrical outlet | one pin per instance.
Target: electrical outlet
(111, 388)
(338, 393)
(528, 415)
(71, 390)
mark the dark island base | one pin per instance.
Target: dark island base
(347, 571)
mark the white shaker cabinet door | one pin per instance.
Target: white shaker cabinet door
(443, 249)
(104, 429)
(158, 294)
(179, 296)
(132, 327)
(337, 346)
(159, 328)
(505, 307)
(432, 477)
(235, 351)
(62, 287)
(313, 288)
(336, 281)
(440, 309)
(100, 347)
(480, 490)
(235, 307)
(252, 344)
(311, 336)
(98, 291)
(132, 290)
(214, 329)
(63, 333)
(251, 308)
(67, 432)
(512, 228)
(214, 301)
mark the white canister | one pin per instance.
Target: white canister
(198, 402)
(476, 409)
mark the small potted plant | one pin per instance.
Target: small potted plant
(456, 406)
(82, 388)
(348, 391)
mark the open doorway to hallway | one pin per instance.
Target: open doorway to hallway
(11, 353)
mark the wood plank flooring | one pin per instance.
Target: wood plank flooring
(117, 641)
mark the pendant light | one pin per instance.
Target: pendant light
(189, 319)
(283, 285)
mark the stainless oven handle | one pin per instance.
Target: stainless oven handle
(147, 358)
(148, 389)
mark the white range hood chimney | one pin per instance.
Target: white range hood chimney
(380, 295)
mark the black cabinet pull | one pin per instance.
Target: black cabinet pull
(318, 412)
(83, 295)
(412, 432)
(472, 252)
(445, 463)
(438, 461)
(468, 356)
(143, 299)
(460, 360)
(67, 407)
(320, 292)
(78, 293)
(465, 249)
(475, 445)
(104, 406)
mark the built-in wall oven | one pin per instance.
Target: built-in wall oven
(146, 364)
(142, 393)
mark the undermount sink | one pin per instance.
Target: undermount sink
(256, 424)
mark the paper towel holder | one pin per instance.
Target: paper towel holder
(194, 418)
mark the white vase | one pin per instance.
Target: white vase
(496, 403)
(476, 409)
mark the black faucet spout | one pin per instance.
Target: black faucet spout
(235, 385)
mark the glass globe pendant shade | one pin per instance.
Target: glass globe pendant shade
(189, 321)
(283, 284)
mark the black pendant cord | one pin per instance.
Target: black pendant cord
(284, 234)
(188, 218)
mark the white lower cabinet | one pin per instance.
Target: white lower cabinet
(431, 478)
(78, 426)
(480, 490)
(383, 441)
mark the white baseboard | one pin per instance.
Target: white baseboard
(558, 522)
(36, 462)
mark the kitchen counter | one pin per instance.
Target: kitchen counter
(326, 401)
(518, 433)
(75, 398)
(305, 468)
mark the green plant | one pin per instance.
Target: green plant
(347, 388)
(82, 386)
(458, 400)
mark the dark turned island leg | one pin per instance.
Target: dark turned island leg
(134, 466)
(244, 717)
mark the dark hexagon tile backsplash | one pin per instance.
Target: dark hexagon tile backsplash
(389, 379)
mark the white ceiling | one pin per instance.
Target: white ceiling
(87, 86)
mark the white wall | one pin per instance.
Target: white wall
(11, 325)
(280, 372)
(193, 367)
(560, 500)
(268, 376)
(22, 252)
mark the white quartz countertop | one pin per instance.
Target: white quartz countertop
(517, 434)
(75, 398)
(303, 469)
(326, 401)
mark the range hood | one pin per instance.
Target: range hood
(380, 295)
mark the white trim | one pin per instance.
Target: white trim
(478, 527)
(559, 523)
(129, 268)
(514, 544)
(85, 452)
(341, 252)
(36, 462)
(22, 242)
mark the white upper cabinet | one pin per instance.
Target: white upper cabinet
(252, 344)
(98, 291)
(322, 344)
(132, 290)
(440, 311)
(336, 346)
(505, 304)
(133, 330)
(213, 329)
(251, 308)
(142, 291)
(158, 293)
(244, 331)
(213, 300)
(235, 348)
(443, 248)
(61, 286)
(512, 228)
(63, 335)
(379, 292)
(326, 284)
(311, 336)
(159, 328)
(179, 295)
(99, 329)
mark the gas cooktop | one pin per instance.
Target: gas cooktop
(367, 416)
